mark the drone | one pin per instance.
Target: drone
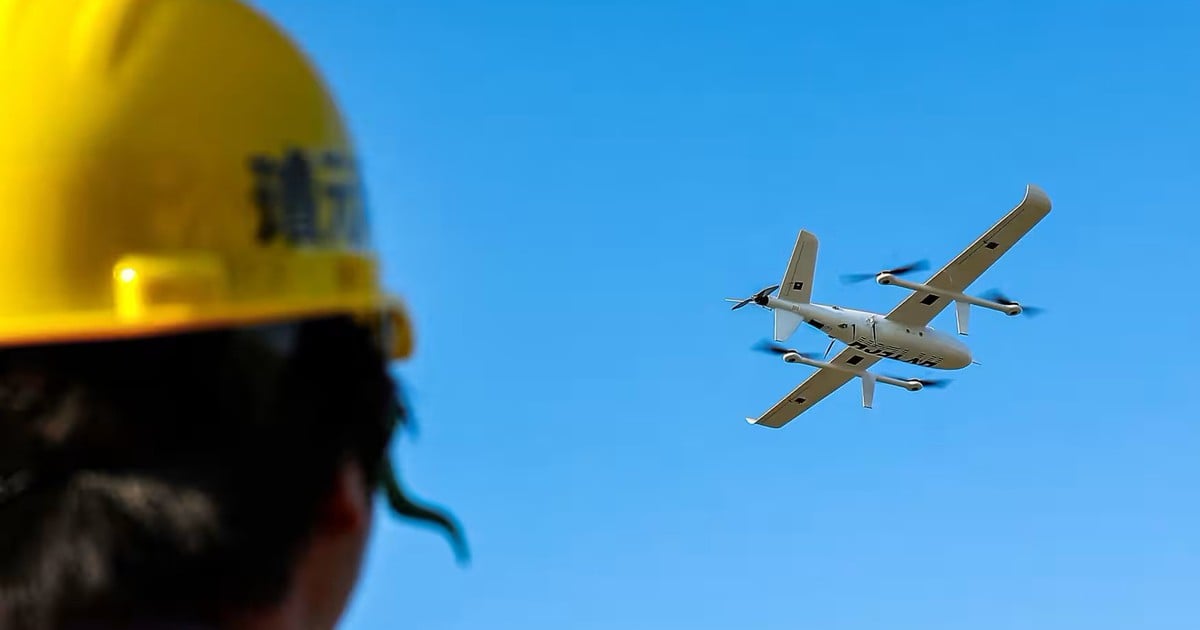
(904, 334)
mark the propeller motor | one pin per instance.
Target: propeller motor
(759, 298)
(920, 265)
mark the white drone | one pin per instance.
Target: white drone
(903, 334)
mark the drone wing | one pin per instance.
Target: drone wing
(919, 308)
(815, 388)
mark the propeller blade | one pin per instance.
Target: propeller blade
(996, 296)
(852, 278)
(767, 291)
(774, 348)
(920, 265)
(925, 382)
(754, 298)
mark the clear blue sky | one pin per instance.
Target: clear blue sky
(565, 191)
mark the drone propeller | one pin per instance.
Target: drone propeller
(759, 298)
(920, 265)
(925, 382)
(774, 348)
(999, 298)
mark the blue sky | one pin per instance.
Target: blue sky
(565, 191)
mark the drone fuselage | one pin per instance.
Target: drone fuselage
(874, 334)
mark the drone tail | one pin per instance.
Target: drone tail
(797, 280)
(797, 283)
(786, 323)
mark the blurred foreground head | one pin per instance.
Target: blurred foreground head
(195, 405)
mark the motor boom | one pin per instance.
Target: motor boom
(1008, 309)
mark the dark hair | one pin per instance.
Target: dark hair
(178, 476)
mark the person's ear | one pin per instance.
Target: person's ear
(347, 507)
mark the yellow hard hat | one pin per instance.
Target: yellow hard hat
(170, 165)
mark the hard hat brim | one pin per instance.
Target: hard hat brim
(383, 312)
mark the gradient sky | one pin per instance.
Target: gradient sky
(565, 191)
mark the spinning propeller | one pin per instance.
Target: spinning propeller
(774, 348)
(999, 298)
(920, 265)
(759, 298)
(925, 382)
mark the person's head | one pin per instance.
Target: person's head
(195, 403)
(190, 477)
